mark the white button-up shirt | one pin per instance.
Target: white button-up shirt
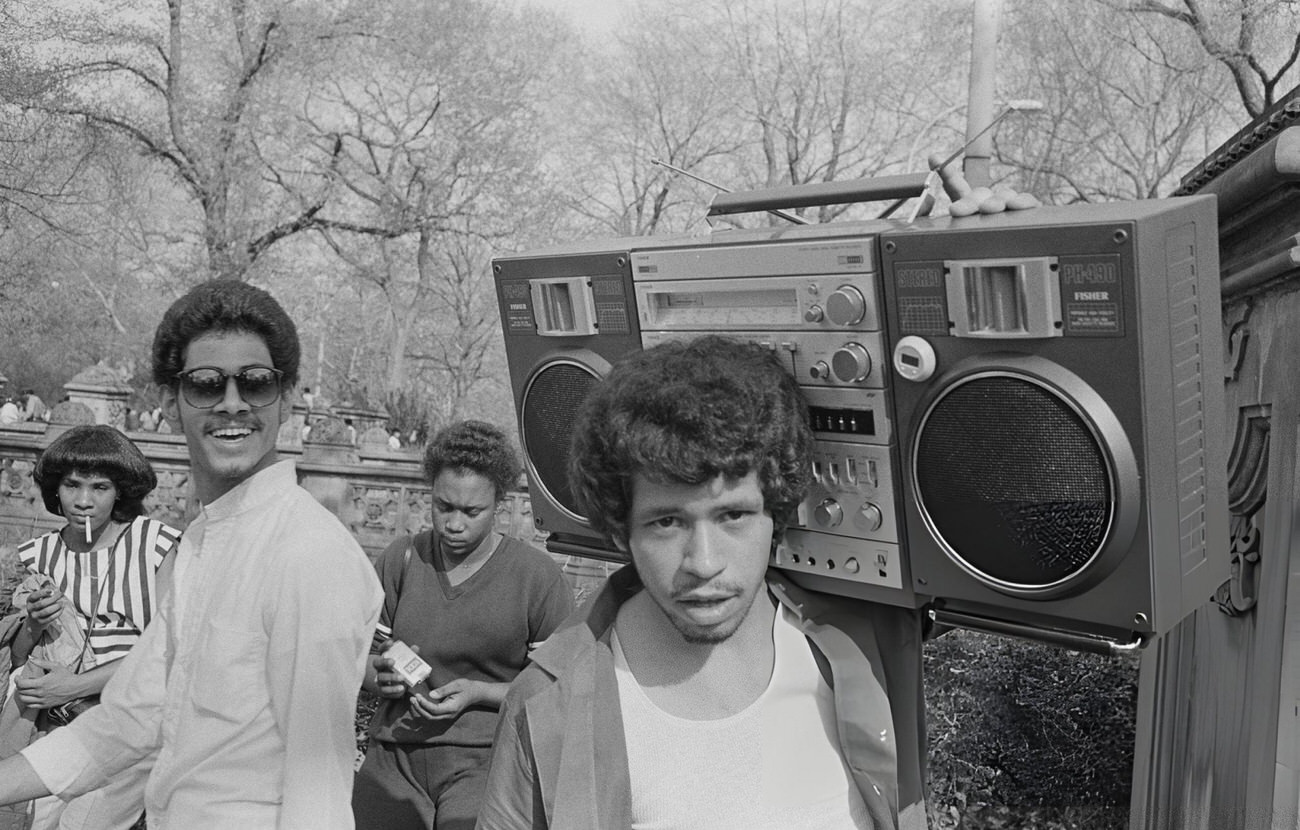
(246, 681)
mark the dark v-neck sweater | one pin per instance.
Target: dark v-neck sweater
(479, 629)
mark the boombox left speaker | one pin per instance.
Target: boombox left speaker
(566, 318)
(1059, 392)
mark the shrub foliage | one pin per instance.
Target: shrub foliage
(1028, 736)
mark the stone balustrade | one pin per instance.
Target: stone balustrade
(376, 492)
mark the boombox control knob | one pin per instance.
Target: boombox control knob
(813, 314)
(851, 363)
(870, 518)
(820, 370)
(846, 306)
(829, 513)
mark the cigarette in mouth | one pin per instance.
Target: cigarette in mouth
(88, 530)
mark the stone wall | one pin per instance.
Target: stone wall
(377, 493)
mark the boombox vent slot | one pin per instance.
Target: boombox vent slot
(550, 405)
(1014, 483)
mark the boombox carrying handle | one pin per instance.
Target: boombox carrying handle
(819, 193)
(1078, 641)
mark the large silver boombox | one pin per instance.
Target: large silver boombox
(1018, 418)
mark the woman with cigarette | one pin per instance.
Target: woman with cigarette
(97, 572)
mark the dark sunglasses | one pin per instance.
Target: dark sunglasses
(205, 387)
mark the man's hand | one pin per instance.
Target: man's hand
(967, 200)
(43, 608)
(449, 700)
(41, 685)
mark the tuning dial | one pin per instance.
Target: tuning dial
(813, 314)
(820, 370)
(829, 513)
(870, 518)
(851, 363)
(845, 306)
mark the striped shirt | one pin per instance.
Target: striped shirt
(123, 576)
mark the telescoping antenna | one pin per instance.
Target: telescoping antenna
(787, 216)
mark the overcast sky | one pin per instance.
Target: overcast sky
(595, 16)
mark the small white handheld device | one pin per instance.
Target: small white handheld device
(408, 665)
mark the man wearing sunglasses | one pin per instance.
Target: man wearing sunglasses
(245, 683)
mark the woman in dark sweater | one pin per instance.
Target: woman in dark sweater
(473, 603)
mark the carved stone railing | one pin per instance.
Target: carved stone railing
(1219, 697)
(377, 493)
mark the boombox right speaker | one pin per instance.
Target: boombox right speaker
(1059, 393)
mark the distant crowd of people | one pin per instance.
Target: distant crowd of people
(146, 420)
(28, 406)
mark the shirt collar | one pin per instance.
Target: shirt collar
(591, 626)
(258, 489)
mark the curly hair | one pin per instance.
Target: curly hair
(225, 306)
(476, 447)
(690, 411)
(98, 450)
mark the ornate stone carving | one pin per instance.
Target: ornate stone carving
(528, 527)
(329, 431)
(514, 517)
(1247, 490)
(71, 413)
(99, 376)
(1239, 594)
(419, 511)
(17, 488)
(170, 501)
(1235, 337)
(376, 508)
(103, 391)
(22, 510)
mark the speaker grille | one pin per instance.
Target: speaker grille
(550, 405)
(1013, 482)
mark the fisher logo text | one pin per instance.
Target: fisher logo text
(1089, 273)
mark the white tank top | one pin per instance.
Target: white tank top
(775, 765)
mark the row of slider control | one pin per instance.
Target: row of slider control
(831, 471)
